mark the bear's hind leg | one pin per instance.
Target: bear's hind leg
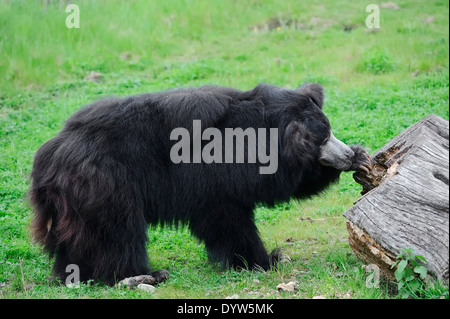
(104, 252)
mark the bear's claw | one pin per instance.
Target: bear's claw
(361, 159)
(365, 169)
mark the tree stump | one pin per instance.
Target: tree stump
(405, 202)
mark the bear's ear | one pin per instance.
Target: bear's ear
(314, 91)
(297, 143)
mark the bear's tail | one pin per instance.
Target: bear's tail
(44, 215)
(48, 201)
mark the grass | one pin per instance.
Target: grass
(377, 84)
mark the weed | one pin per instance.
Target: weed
(410, 273)
(376, 62)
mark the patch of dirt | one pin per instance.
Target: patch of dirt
(389, 5)
(282, 23)
(93, 77)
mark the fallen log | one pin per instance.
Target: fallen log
(405, 202)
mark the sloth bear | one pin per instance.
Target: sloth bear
(116, 167)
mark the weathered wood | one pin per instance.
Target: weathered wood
(405, 202)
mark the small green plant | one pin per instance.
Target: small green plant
(376, 62)
(410, 274)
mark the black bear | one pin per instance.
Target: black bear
(121, 164)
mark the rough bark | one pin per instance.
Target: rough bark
(405, 202)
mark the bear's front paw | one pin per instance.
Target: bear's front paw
(361, 160)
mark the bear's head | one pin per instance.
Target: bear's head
(312, 131)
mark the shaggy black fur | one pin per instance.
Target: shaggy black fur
(107, 175)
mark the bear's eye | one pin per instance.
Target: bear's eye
(325, 140)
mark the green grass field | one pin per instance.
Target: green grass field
(377, 84)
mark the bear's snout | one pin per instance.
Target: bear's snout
(336, 154)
